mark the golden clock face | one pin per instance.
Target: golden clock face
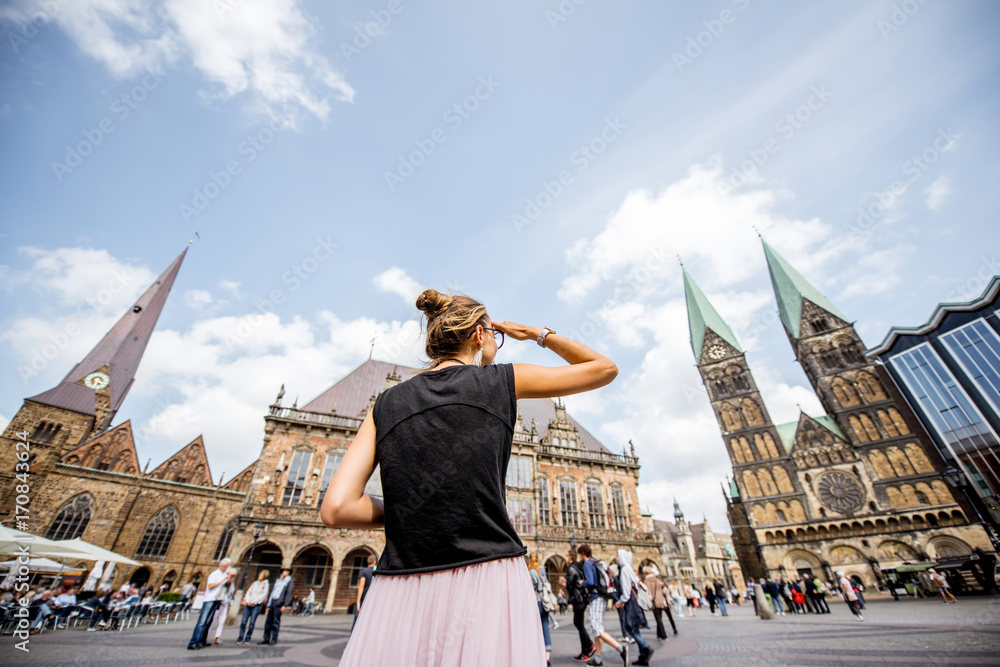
(716, 352)
(97, 380)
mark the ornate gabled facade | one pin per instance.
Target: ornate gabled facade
(695, 554)
(850, 489)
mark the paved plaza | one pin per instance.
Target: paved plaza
(909, 632)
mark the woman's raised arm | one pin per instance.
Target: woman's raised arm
(346, 505)
(587, 369)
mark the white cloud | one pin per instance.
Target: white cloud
(232, 287)
(938, 192)
(265, 47)
(218, 376)
(691, 218)
(396, 281)
(79, 276)
(198, 299)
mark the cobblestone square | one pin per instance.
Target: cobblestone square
(909, 632)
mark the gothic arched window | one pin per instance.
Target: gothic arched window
(844, 393)
(72, 519)
(159, 533)
(752, 413)
(849, 350)
(225, 541)
(871, 388)
(737, 379)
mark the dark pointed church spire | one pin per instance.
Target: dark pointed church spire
(116, 356)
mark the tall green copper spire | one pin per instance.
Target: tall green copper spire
(702, 316)
(790, 288)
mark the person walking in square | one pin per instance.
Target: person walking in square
(252, 603)
(675, 595)
(579, 599)
(280, 598)
(661, 602)
(217, 580)
(720, 597)
(597, 580)
(364, 585)
(628, 602)
(225, 599)
(442, 441)
(850, 597)
(311, 603)
(942, 586)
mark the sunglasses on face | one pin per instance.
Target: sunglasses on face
(497, 335)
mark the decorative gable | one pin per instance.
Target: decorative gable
(112, 450)
(189, 465)
(241, 483)
(819, 442)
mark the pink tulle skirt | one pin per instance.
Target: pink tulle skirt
(481, 615)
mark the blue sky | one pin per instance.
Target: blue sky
(549, 158)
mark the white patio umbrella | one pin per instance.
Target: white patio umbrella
(42, 565)
(12, 543)
(88, 551)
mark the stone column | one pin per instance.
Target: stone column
(334, 579)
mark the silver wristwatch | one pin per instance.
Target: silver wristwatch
(541, 337)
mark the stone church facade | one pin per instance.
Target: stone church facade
(563, 486)
(856, 489)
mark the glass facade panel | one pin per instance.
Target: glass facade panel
(568, 503)
(296, 478)
(544, 516)
(943, 401)
(595, 506)
(520, 515)
(618, 505)
(519, 472)
(949, 410)
(332, 463)
(977, 348)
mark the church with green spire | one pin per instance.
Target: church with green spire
(856, 489)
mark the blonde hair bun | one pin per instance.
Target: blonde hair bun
(433, 302)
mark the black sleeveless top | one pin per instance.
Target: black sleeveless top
(442, 441)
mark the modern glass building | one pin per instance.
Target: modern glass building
(949, 371)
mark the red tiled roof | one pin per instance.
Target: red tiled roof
(351, 395)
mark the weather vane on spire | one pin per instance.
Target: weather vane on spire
(372, 350)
